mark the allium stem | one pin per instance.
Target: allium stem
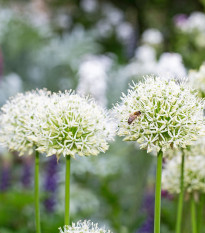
(157, 211)
(36, 193)
(181, 197)
(193, 215)
(200, 212)
(67, 191)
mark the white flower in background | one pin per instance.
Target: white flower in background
(197, 80)
(194, 23)
(194, 174)
(198, 148)
(89, 6)
(144, 62)
(9, 86)
(104, 28)
(171, 175)
(171, 64)
(160, 114)
(73, 125)
(84, 227)
(93, 77)
(17, 121)
(124, 31)
(114, 15)
(146, 53)
(152, 36)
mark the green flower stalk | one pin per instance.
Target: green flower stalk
(193, 215)
(160, 114)
(181, 197)
(72, 125)
(17, 123)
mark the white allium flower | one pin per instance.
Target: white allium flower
(124, 31)
(152, 36)
(194, 174)
(89, 6)
(83, 227)
(73, 125)
(198, 148)
(17, 120)
(144, 62)
(165, 114)
(113, 15)
(146, 53)
(194, 23)
(93, 73)
(171, 64)
(197, 80)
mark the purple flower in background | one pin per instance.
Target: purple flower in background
(180, 19)
(50, 185)
(5, 178)
(166, 194)
(148, 226)
(26, 177)
(148, 207)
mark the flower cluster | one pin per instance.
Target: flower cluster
(193, 26)
(160, 114)
(145, 62)
(93, 77)
(197, 80)
(71, 125)
(17, 121)
(193, 23)
(198, 148)
(152, 36)
(83, 227)
(194, 174)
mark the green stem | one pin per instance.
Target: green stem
(181, 197)
(200, 212)
(36, 194)
(67, 191)
(193, 215)
(157, 212)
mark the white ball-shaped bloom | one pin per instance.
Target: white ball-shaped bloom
(152, 36)
(73, 125)
(197, 80)
(198, 148)
(194, 174)
(160, 114)
(17, 121)
(83, 227)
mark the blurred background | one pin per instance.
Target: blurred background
(96, 47)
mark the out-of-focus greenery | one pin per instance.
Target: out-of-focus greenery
(110, 189)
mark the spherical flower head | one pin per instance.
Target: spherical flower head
(73, 125)
(197, 80)
(198, 148)
(160, 114)
(17, 121)
(83, 227)
(194, 175)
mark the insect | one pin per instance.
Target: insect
(133, 116)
